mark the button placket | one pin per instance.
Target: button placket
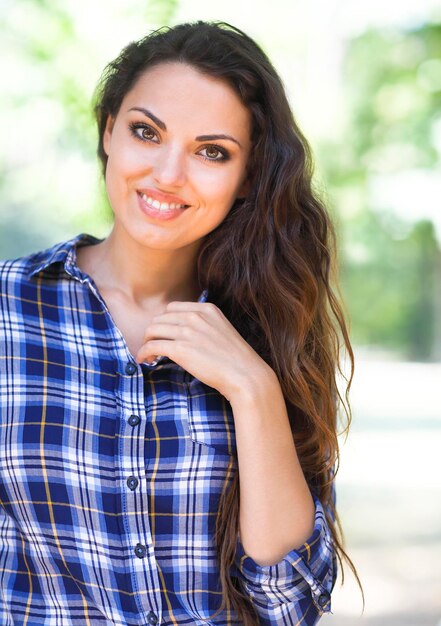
(142, 566)
(130, 393)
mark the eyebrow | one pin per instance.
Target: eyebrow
(162, 126)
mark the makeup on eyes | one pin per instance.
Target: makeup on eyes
(160, 124)
(135, 126)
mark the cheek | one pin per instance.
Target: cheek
(218, 187)
(124, 165)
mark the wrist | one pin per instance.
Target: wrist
(253, 384)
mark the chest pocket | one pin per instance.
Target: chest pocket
(210, 418)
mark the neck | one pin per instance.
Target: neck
(142, 275)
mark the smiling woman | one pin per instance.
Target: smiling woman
(168, 393)
(163, 162)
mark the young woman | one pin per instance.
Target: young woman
(168, 393)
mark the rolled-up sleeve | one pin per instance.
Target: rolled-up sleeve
(298, 588)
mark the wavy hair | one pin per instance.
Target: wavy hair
(270, 265)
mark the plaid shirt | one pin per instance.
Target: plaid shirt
(111, 473)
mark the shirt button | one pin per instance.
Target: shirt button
(140, 550)
(152, 618)
(130, 368)
(132, 482)
(323, 599)
(134, 420)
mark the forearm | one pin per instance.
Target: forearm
(276, 506)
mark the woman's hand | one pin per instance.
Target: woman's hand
(198, 337)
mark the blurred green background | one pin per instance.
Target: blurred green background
(364, 81)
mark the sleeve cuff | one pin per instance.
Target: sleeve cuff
(309, 571)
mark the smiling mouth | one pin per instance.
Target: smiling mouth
(162, 206)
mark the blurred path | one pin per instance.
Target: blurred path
(389, 497)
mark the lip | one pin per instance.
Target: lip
(161, 196)
(151, 212)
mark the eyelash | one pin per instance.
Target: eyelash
(135, 126)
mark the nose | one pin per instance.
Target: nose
(169, 168)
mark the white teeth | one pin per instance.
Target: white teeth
(162, 206)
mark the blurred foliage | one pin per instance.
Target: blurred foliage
(390, 270)
(391, 289)
(162, 12)
(40, 43)
(54, 67)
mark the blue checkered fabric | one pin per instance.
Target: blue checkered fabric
(111, 473)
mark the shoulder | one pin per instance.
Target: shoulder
(48, 262)
(16, 271)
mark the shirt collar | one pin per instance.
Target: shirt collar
(63, 252)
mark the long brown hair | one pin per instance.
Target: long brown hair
(270, 265)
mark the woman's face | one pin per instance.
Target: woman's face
(179, 138)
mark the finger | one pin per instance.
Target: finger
(151, 349)
(199, 307)
(162, 330)
(181, 319)
(178, 305)
(169, 317)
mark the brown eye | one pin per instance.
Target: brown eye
(213, 153)
(144, 132)
(148, 133)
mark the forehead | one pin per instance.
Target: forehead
(180, 92)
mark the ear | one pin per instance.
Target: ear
(108, 134)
